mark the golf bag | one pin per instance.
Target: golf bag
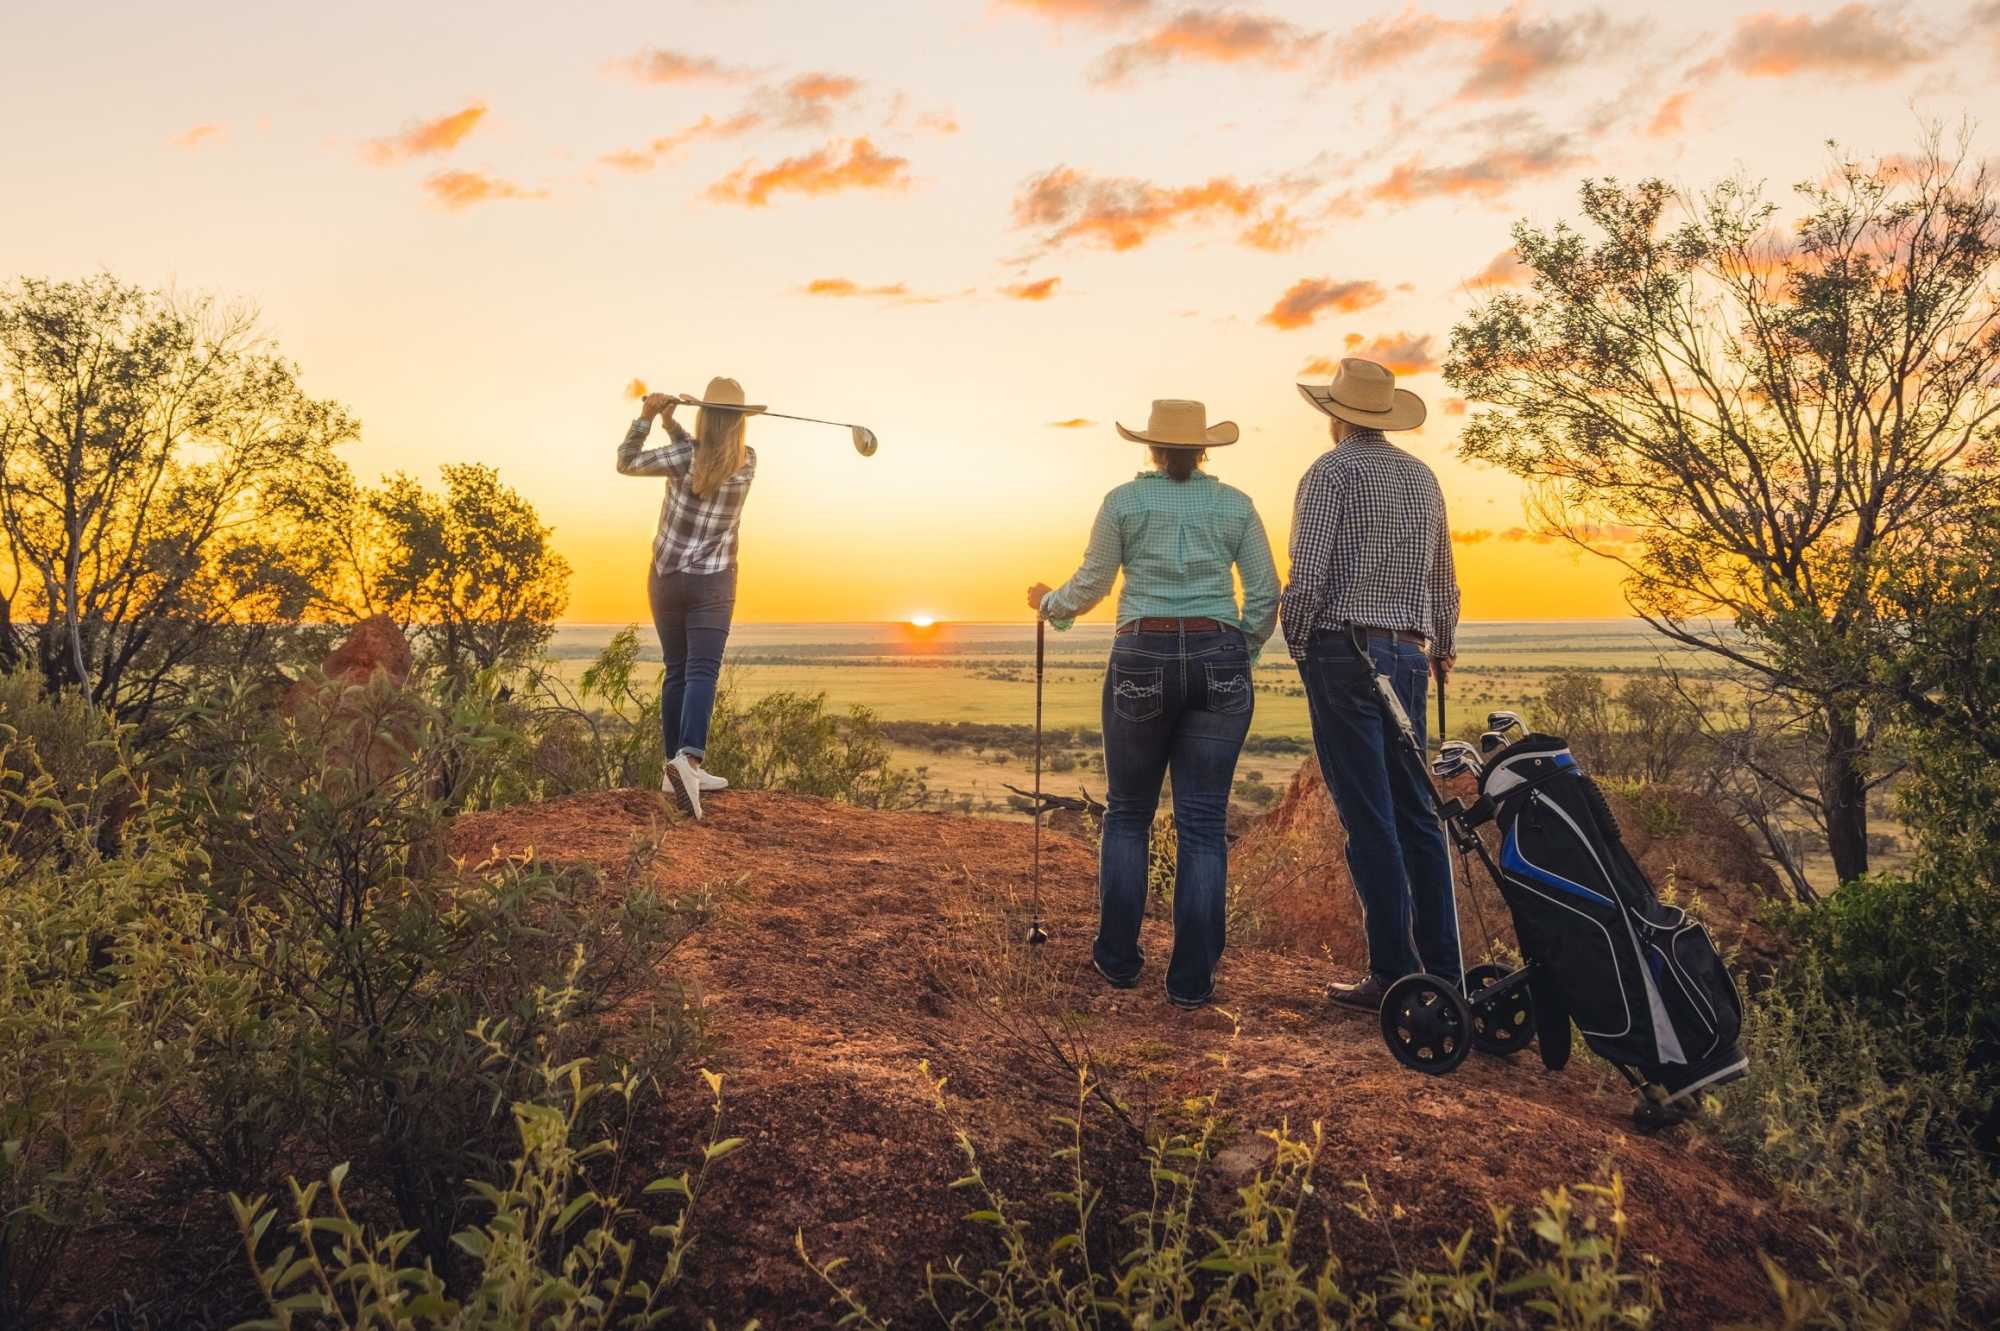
(1642, 980)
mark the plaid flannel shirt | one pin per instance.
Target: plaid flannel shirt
(1370, 545)
(696, 535)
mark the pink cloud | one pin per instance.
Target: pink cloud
(1211, 36)
(458, 190)
(1855, 40)
(660, 65)
(200, 136)
(427, 138)
(1309, 297)
(1122, 214)
(1032, 291)
(824, 171)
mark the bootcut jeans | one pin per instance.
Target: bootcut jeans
(691, 613)
(1396, 850)
(1178, 702)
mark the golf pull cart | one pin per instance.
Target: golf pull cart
(1640, 979)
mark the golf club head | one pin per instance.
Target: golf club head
(1455, 748)
(1490, 741)
(1504, 721)
(1037, 935)
(864, 441)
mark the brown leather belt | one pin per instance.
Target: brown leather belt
(1400, 635)
(1172, 626)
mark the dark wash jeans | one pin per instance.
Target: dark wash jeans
(1395, 845)
(1177, 702)
(691, 612)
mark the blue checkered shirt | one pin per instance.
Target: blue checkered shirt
(696, 535)
(1370, 545)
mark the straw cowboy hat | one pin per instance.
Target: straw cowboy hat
(1179, 424)
(1364, 393)
(724, 393)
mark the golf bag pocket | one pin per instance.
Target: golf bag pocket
(1694, 985)
(1138, 694)
(1229, 687)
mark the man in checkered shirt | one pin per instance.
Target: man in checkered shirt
(1372, 567)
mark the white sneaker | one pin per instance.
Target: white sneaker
(682, 780)
(709, 781)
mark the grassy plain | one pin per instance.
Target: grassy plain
(984, 674)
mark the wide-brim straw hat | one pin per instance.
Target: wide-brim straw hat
(1177, 423)
(726, 394)
(1364, 393)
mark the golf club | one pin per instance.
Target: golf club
(1491, 742)
(1504, 721)
(865, 442)
(1037, 935)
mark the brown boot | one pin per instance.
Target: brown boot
(1363, 997)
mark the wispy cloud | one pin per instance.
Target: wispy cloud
(1073, 423)
(1212, 36)
(1454, 406)
(458, 190)
(1671, 115)
(938, 122)
(842, 288)
(1504, 269)
(1084, 11)
(427, 138)
(1041, 290)
(807, 101)
(857, 164)
(1518, 53)
(1399, 353)
(708, 127)
(1487, 175)
(1309, 297)
(660, 65)
(1473, 537)
(200, 136)
(1856, 40)
(1119, 213)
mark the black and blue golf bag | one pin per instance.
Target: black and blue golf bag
(1641, 980)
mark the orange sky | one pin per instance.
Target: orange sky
(985, 229)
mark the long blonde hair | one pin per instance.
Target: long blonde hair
(718, 449)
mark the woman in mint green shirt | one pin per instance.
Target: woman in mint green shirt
(1177, 694)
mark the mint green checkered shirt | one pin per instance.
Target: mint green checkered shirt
(1177, 542)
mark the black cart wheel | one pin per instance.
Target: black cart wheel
(1427, 1024)
(1504, 1025)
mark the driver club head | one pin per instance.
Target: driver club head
(865, 442)
(1037, 935)
(1504, 721)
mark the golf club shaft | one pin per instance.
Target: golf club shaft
(846, 425)
(1041, 639)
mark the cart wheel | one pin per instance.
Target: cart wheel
(1426, 1024)
(1501, 1028)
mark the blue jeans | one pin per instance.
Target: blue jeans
(691, 612)
(1395, 845)
(1177, 702)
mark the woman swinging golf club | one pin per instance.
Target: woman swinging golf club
(1177, 694)
(691, 580)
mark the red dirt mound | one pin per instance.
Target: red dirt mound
(856, 945)
(1297, 892)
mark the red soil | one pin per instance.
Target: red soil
(859, 944)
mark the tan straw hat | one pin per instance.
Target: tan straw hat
(1179, 424)
(724, 393)
(1364, 393)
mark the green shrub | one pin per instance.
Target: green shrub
(374, 954)
(1866, 1113)
(101, 975)
(551, 1251)
(788, 741)
(1246, 1273)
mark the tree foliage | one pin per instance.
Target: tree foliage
(158, 461)
(1758, 421)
